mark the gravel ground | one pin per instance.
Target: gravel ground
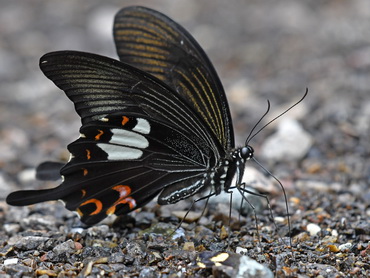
(262, 50)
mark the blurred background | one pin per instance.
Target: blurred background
(261, 50)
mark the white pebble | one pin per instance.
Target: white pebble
(313, 229)
(345, 247)
(11, 261)
(289, 143)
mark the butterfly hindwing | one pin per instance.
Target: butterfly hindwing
(119, 163)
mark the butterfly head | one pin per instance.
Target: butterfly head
(246, 152)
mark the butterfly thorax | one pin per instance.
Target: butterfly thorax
(232, 165)
(219, 177)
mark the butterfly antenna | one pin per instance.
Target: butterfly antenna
(285, 198)
(249, 138)
(255, 126)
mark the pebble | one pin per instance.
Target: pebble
(179, 233)
(345, 247)
(148, 272)
(67, 247)
(289, 143)
(251, 268)
(100, 230)
(313, 229)
(241, 250)
(11, 228)
(27, 175)
(189, 246)
(10, 261)
(232, 265)
(191, 216)
(27, 242)
(39, 221)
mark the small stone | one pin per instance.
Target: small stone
(67, 247)
(313, 229)
(289, 143)
(251, 268)
(78, 246)
(345, 247)
(334, 233)
(241, 250)
(224, 232)
(148, 272)
(39, 221)
(11, 261)
(189, 246)
(363, 228)
(46, 272)
(301, 237)
(100, 230)
(5, 250)
(11, 228)
(15, 269)
(27, 175)
(179, 233)
(115, 258)
(27, 242)
(191, 216)
(333, 248)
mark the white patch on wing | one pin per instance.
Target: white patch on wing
(104, 119)
(116, 152)
(142, 126)
(128, 138)
(71, 156)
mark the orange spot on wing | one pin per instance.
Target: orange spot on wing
(124, 192)
(124, 120)
(130, 201)
(85, 171)
(88, 154)
(83, 191)
(97, 203)
(97, 137)
(111, 210)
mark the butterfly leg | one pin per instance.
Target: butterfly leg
(242, 191)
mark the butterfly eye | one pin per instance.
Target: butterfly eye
(246, 152)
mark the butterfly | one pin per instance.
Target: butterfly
(155, 123)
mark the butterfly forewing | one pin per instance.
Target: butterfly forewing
(154, 43)
(99, 86)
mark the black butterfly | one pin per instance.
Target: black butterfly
(155, 123)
